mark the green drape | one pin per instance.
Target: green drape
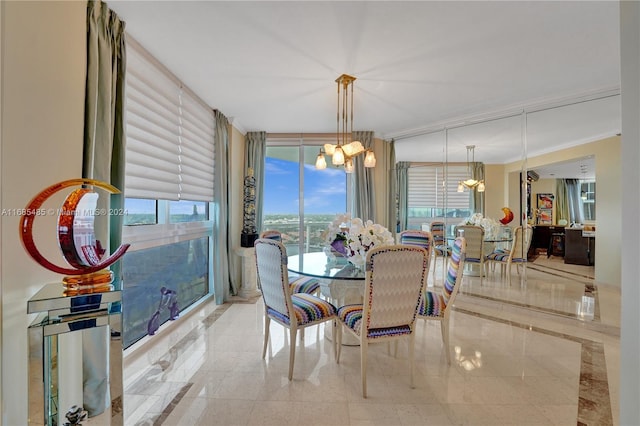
(562, 201)
(402, 185)
(363, 192)
(103, 159)
(223, 281)
(476, 202)
(389, 157)
(255, 151)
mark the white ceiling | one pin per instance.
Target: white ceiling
(421, 66)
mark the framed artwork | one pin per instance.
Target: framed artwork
(545, 201)
(545, 217)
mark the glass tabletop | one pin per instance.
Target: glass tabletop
(320, 265)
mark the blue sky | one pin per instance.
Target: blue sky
(325, 190)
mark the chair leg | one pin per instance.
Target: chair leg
(412, 348)
(267, 321)
(444, 328)
(363, 366)
(334, 325)
(292, 350)
(337, 337)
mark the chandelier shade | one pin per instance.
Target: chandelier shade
(470, 182)
(345, 149)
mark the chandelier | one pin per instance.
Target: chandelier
(470, 182)
(344, 150)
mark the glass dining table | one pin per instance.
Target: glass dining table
(341, 283)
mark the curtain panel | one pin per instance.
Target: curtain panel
(223, 282)
(562, 201)
(103, 159)
(402, 194)
(363, 191)
(389, 154)
(255, 151)
(476, 202)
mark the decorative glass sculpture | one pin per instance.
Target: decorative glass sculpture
(87, 272)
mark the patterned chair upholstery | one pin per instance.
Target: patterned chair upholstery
(422, 239)
(271, 234)
(437, 305)
(292, 311)
(440, 246)
(297, 283)
(395, 279)
(474, 237)
(517, 254)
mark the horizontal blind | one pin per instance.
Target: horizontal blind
(169, 152)
(197, 131)
(423, 187)
(428, 184)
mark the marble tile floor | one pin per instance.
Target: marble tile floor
(540, 351)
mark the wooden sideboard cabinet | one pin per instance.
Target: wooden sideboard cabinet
(579, 249)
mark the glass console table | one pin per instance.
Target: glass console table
(75, 356)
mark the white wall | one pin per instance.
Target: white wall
(630, 314)
(43, 58)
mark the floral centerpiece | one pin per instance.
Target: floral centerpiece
(492, 229)
(359, 238)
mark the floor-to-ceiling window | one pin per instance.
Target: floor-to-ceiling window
(169, 173)
(299, 200)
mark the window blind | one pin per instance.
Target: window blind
(170, 132)
(427, 187)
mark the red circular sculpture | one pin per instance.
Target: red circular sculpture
(85, 258)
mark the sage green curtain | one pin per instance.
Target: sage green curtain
(103, 160)
(402, 179)
(255, 151)
(223, 282)
(576, 212)
(476, 202)
(104, 135)
(364, 197)
(389, 157)
(562, 201)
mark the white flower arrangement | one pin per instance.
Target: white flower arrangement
(336, 229)
(363, 236)
(492, 229)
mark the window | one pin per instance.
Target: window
(432, 193)
(169, 189)
(300, 201)
(588, 196)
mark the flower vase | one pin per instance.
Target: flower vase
(357, 261)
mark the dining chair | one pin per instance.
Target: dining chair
(437, 305)
(297, 284)
(272, 234)
(440, 246)
(516, 254)
(474, 236)
(395, 278)
(292, 311)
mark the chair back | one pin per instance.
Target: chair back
(271, 263)
(474, 237)
(272, 234)
(521, 243)
(417, 238)
(437, 232)
(454, 270)
(395, 278)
